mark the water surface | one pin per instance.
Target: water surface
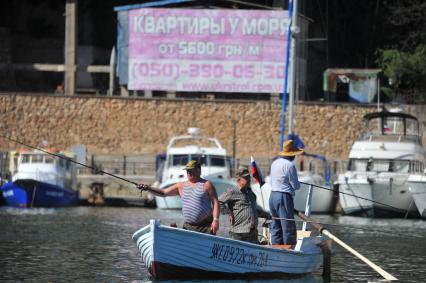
(93, 244)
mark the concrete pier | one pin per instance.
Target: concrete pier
(115, 192)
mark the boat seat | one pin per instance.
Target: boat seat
(303, 234)
(286, 247)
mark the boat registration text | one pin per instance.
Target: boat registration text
(237, 255)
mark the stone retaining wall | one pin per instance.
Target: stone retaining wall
(138, 126)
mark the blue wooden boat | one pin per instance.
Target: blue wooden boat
(41, 180)
(174, 253)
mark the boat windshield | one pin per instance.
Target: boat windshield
(379, 165)
(204, 160)
(180, 160)
(49, 159)
(37, 158)
(393, 126)
(217, 161)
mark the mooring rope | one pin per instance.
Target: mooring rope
(373, 201)
(347, 226)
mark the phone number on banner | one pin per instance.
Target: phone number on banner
(226, 70)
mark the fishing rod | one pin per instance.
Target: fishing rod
(373, 201)
(69, 159)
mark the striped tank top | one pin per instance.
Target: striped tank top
(196, 204)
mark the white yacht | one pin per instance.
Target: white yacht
(215, 166)
(381, 165)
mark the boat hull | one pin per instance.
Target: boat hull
(417, 186)
(171, 253)
(175, 202)
(322, 200)
(390, 190)
(31, 193)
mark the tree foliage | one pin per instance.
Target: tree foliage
(406, 24)
(406, 72)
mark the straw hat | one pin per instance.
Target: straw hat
(290, 149)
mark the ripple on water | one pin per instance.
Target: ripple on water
(93, 244)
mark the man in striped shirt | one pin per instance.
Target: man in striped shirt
(200, 207)
(240, 204)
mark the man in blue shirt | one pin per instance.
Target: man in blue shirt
(284, 182)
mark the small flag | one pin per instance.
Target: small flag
(387, 129)
(255, 172)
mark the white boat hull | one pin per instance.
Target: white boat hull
(322, 200)
(173, 253)
(389, 189)
(175, 202)
(417, 185)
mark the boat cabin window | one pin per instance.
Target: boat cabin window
(417, 166)
(25, 158)
(37, 158)
(401, 166)
(358, 165)
(200, 158)
(49, 159)
(374, 126)
(412, 127)
(379, 165)
(180, 159)
(393, 126)
(217, 161)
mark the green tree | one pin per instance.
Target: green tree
(406, 72)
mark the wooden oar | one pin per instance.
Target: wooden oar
(327, 233)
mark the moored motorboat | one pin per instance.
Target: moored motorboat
(41, 180)
(381, 164)
(215, 166)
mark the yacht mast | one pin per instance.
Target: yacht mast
(293, 58)
(290, 58)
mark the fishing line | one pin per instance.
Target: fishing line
(373, 201)
(347, 226)
(71, 160)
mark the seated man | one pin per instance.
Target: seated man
(240, 203)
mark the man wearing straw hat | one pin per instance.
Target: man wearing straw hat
(284, 182)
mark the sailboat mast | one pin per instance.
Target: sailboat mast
(293, 60)
(292, 46)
